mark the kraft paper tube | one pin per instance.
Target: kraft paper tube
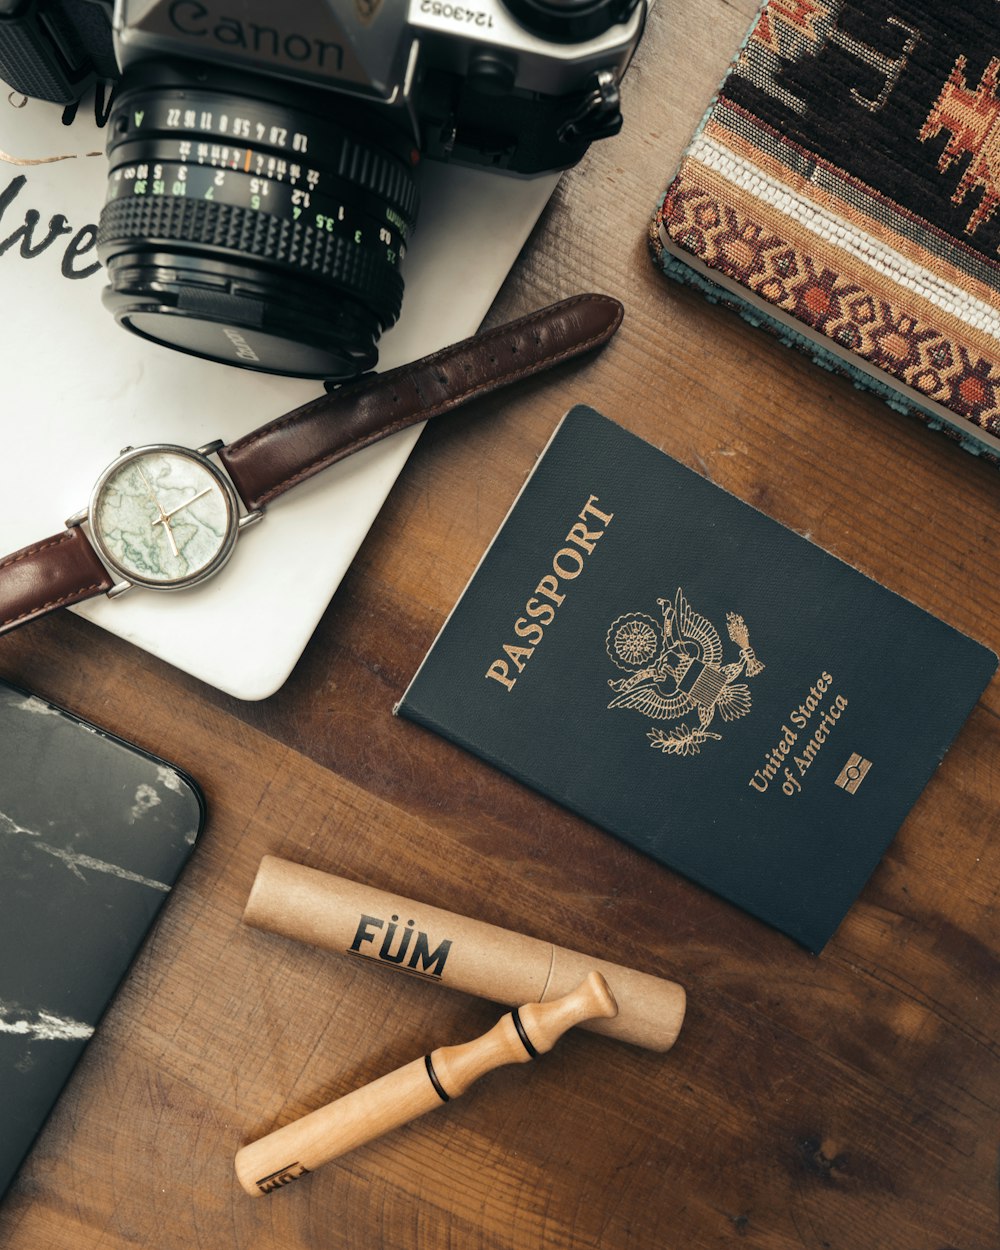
(452, 950)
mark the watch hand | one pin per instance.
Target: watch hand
(206, 491)
(152, 493)
(165, 522)
(163, 517)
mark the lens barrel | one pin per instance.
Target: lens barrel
(252, 222)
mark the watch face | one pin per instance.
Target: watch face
(164, 517)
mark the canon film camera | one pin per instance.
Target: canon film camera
(262, 157)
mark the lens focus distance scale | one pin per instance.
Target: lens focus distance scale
(264, 144)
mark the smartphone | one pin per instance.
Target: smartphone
(94, 833)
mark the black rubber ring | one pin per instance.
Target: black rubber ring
(438, 1087)
(515, 1015)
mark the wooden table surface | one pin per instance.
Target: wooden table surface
(846, 1101)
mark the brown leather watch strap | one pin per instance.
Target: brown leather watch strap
(49, 574)
(292, 448)
(65, 569)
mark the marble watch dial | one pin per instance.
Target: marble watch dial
(163, 517)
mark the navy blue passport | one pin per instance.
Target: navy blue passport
(694, 678)
(93, 834)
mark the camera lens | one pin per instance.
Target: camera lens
(252, 222)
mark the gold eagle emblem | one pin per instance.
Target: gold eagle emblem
(676, 671)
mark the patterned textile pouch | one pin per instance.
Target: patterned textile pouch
(842, 191)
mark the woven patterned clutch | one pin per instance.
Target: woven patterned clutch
(842, 191)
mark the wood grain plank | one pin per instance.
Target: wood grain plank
(846, 1100)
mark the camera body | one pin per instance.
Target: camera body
(522, 86)
(302, 125)
(477, 83)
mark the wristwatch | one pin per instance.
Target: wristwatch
(166, 517)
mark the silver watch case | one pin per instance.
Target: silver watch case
(227, 508)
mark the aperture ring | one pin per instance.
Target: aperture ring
(201, 225)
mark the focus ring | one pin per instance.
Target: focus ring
(203, 224)
(366, 168)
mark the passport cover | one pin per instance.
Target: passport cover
(93, 834)
(842, 192)
(688, 674)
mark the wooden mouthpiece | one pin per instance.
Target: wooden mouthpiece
(418, 1087)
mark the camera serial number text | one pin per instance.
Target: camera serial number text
(457, 13)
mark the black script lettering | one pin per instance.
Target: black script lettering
(24, 236)
(83, 241)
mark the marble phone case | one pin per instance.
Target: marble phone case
(93, 834)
